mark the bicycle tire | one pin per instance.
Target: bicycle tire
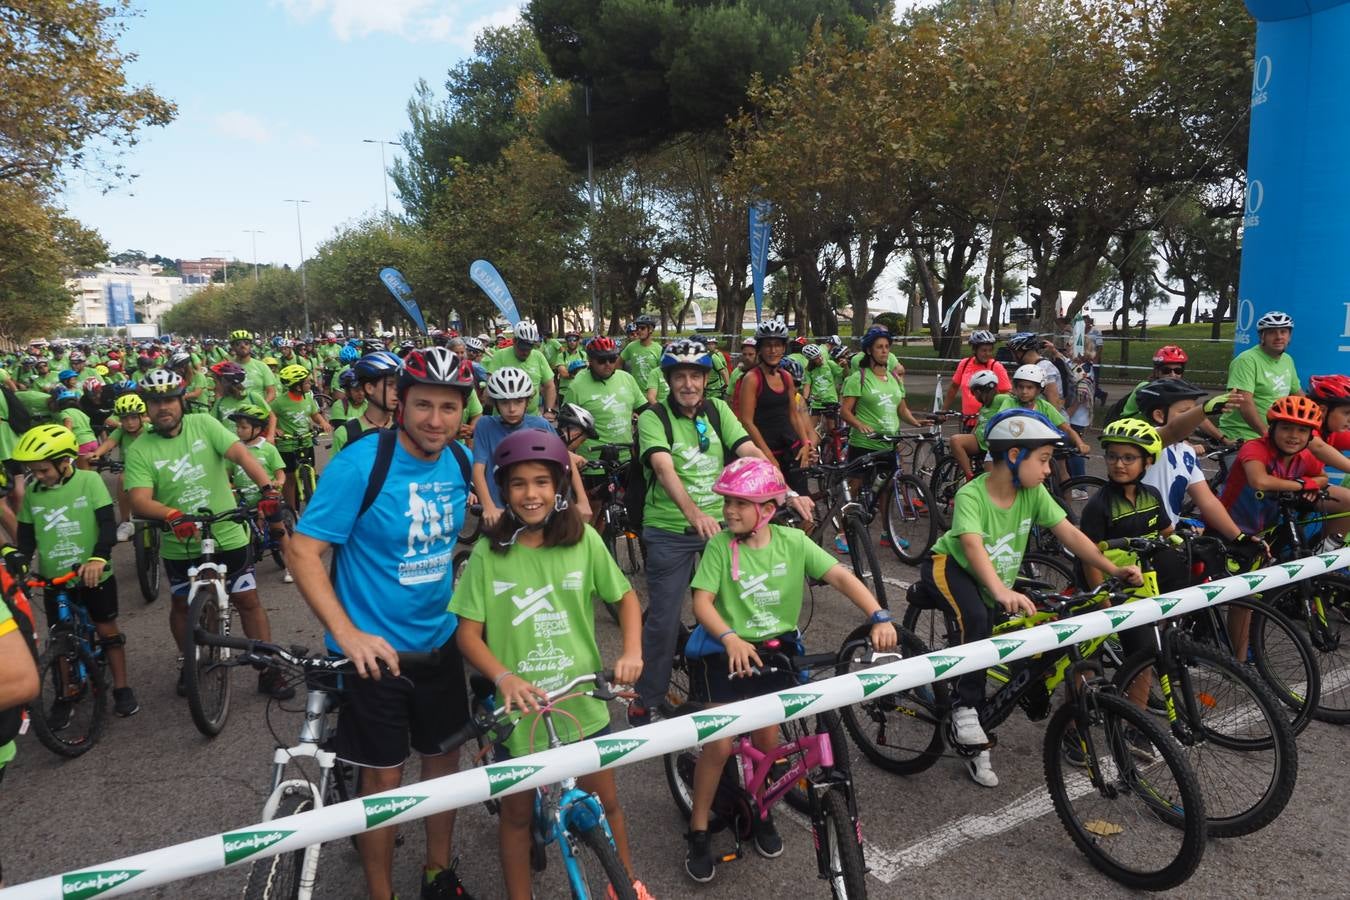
(89, 712)
(1054, 571)
(1088, 484)
(305, 482)
(915, 711)
(1280, 653)
(1247, 778)
(841, 845)
(1166, 796)
(1330, 640)
(288, 523)
(923, 460)
(947, 480)
(145, 544)
(278, 877)
(599, 843)
(206, 679)
(863, 556)
(343, 785)
(909, 519)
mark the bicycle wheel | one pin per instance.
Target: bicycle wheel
(1320, 608)
(1053, 571)
(72, 683)
(1144, 824)
(145, 542)
(305, 482)
(1233, 733)
(923, 461)
(616, 876)
(342, 786)
(288, 523)
(1278, 650)
(947, 480)
(278, 877)
(864, 556)
(909, 519)
(899, 732)
(205, 670)
(1075, 493)
(841, 845)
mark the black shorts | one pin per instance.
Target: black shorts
(710, 678)
(291, 459)
(100, 602)
(423, 706)
(238, 572)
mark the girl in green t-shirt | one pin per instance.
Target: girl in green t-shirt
(748, 589)
(973, 565)
(874, 397)
(77, 420)
(527, 621)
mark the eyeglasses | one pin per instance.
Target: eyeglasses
(1172, 370)
(605, 360)
(701, 426)
(1128, 459)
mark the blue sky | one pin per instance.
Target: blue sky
(274, 98)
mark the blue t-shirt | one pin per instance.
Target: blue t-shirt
(488, 433)
(393, 572)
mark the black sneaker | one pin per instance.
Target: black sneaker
(699, 861)
(445, 885)
(270, 682)
(1140, 747)
(58, 716)
(768, 843)
(124, 702)
(1071, 748)
(639, 715)
(182, 681)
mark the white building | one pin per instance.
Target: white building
(102, 296)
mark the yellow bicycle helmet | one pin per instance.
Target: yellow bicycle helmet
(293, 375)
(45, 442)
(241, 335)
(129, 405)
(250, 413)
(1136, 432)
(271, 362)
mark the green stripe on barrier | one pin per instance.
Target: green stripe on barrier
(145, 870)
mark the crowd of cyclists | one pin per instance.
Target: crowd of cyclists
(516, 423)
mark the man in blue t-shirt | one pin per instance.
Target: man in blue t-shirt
(391, 592)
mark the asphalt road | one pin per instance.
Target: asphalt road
(154, 781)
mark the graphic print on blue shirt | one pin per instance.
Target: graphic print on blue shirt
(393, 571)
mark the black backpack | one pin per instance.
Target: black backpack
(18, 417)
(641, 476)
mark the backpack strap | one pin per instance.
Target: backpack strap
(379, 471)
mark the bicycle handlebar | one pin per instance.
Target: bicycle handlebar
(296, 655)
(53, 582)
(498, 724)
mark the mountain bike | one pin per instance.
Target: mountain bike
(621, 540)
(832, 433)
(206, 668)
(1071, 493)
(293, 875)
(1136, 810)
(564, 814)
(145, 546)
(261, 538)
(306, 476)
(809, 767)
(70, 713)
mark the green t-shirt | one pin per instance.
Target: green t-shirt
(539, 620)
(535, 364)
(200, 381)
(737, 373)
(187, 472)
(856, 360)
(343, 409)
(717, 378)
(63, 521)
(36, 402)
(878, 406)
(767, 601)
(552, 350)
(8, 437)
(697, 470)
(1267, 379)
(293, 419)
(1005, 532)
(473, 407)
(263, 452)
(612, 402)
(1130, 408)
(1008, 401)
(79, 423)
(824, 388)
(565, 380)
(645, 365)
(228, 404)
(124, 439)
(45, 382)
(258, 377)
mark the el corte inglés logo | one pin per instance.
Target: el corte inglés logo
(943, 663)
(1118, 615)
(707, 725)
(502, 777)
(1064, 632)
(1006, 646)
(242, 844)
(612, 749)
(792, 703)
(382, 809)
(872, 683)
(79, 885)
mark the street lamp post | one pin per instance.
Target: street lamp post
(226, 257)
(304, 296)
(255, 232)
(384, 171)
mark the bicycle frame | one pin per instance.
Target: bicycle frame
(756, 764)
(210, 575)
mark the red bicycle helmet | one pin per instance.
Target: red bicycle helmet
(1170, 355)
(1296, 411)
(1332, 390)
(602, 346)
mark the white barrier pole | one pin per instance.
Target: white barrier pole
(466, 788)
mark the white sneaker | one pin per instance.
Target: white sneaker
(966, 725)
(125, 531)
(1078, 494)
(287, 579)
(980, 771)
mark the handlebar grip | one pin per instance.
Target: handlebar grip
(229, 641)
(471, 730)
(419, 659)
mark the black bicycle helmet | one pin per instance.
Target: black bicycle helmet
(1161, 394)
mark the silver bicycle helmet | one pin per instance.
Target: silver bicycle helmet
(510, 383)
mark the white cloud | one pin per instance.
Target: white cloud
(418, 20)
(242, 126)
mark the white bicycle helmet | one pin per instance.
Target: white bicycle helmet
(570, 415)
(474, 344)
(510, 384)
(527, 332)
(812, 352)
(983, 379)
(772, 329)
(163, 382)
(1034, 374)
(1274, 319)
(982, 337)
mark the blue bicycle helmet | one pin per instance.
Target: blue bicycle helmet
(347, 380)
(349, 354)
(377, 365)
(793, 368)
(872, 334)
(686, 353)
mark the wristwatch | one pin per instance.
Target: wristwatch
(880, 616)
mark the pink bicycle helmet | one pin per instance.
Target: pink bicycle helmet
(756, 480)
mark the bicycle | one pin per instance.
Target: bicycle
(306, 477)
(206, 668)
(1141, 822)
(261, 538)
(621, 540)
(563, 813)
(832, 433)
(294, 874)
(73, 670)
(145, 546)
(809, 769)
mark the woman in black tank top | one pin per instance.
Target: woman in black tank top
(767, 410)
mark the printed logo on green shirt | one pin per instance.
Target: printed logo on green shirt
(243, 844)
(502, 777)
(382, 809)
(79, 885)
(612, 749)
(873, 682)
(1006, 646)
(711, 724)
